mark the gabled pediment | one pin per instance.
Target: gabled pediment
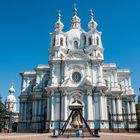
(85, 82)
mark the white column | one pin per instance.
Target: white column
(57, 108)
(48, 108)
(66, 108)
(90, 107)
(133, 110)
(128, 110)
(119, 109)
(62, 107)
(101, 103)
(52, 108)
(114, 109)
(96, 107)
(105, 108)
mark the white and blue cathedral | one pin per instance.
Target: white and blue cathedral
(76, 69)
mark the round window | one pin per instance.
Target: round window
(76, 76)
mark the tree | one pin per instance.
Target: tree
(4, 115)
(3, 110)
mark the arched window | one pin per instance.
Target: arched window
(97, 40)
(61, 41)
(53, 42)
(106, 82)
(84, 41)
(12, 106)
(76, 44)
(8, 105)
(90, 41)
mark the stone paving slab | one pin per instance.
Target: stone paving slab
(104, 136)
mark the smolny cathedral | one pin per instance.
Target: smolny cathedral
(76, 69)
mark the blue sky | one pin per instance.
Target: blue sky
(25, 26)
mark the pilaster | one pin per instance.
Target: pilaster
(25, 111)
(101, 104)
(133, 110)
(52, 108)
(128, 110)
(105, 108)
(119, 109)
(89, 105)
(48, 108)
(114, 109)
(65, 107)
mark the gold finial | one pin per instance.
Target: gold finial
(58, 25)
(59, 15)
(91, 14)
(75, 9)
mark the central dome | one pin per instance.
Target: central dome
(75, 39)
(74, 34)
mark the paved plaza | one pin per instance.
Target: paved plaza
(104, 136)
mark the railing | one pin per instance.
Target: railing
(115, 121)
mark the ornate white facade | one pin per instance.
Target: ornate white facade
(76, 69)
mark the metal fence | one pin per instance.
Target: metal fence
(130, 122)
